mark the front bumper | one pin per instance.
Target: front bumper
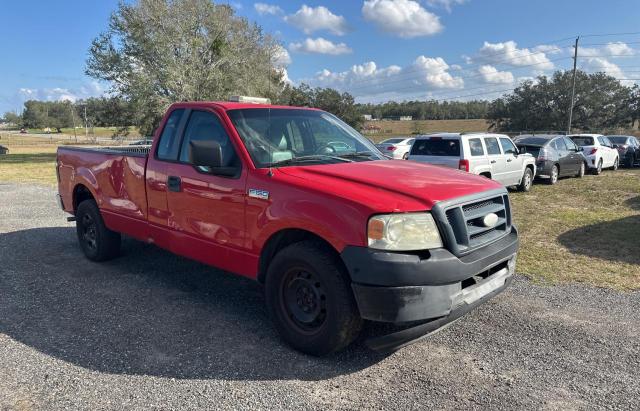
(432, 290)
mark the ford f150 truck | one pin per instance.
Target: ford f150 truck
(299, 201)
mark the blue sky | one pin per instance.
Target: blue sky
(375, 49)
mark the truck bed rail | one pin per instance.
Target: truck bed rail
(133, 151)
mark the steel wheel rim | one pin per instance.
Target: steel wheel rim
(581, 169)
(89, 232)
(554, 174)
(303, 300)
(527, 180)
(600, 166)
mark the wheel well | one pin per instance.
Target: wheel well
(530, 167)
(486, 174)
(80, 194)
(280, 240)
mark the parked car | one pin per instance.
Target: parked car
(556, 156)
(297, 200)
(4, 150)
(598, 151)
(628, 149)
(490, 155)
(142, 142)
(397, 147)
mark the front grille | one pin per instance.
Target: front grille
(466, 222)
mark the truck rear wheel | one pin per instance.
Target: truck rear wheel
(309, 299)
(98, 243)
(527, 180)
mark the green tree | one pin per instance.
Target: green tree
(12, 118)
(157, 52)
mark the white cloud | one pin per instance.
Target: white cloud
(281, 57)
(424, 75)
(445, 4)
(310, 19)
(599, 64)
(492, 75)
(619, 49)
(509, 53)
(92, 89)
(402, 18)
(264, 8)
(320, 46)
(548, 49)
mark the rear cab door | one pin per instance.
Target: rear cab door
(566, 164)
(439, 150)
(476, 153)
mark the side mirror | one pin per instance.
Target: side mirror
(205, 153)
(580, 148)
(614, 146)
(206, 156)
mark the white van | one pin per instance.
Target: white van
(491, 155)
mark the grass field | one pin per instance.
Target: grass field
(580, 230)
(406, 128)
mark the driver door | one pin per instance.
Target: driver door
(207, 210)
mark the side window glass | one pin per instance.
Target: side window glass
(475, 146)
(507, 146)
(601, 141)
(492, 145)
(560, 144)
(169, 143)
(570, 144)
(203, 125)
(607, 142)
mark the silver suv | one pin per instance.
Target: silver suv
(491, 155)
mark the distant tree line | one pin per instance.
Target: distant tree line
(427, 110)
(56, 115)
(601, 102)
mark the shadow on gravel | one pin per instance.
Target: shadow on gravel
(146, 313)
(617, 240)
(633, 203)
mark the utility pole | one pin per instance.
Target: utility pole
(73, 120)
(573, 87)
(86, 129)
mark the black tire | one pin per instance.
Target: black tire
(97, 242)
(581, 171)
(324, 317)
(598, 170)
(616, 163)
(405, 156)
(527, 180)
(553, 176)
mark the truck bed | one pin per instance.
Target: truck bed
(114, 175)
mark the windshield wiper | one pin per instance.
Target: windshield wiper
(358, 154)
(314, 158)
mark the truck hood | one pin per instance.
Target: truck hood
(391, 185)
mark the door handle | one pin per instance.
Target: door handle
(509, 160)
(174, 183)
(493, 161)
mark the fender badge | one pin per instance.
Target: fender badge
(490, 220)
(261, 194)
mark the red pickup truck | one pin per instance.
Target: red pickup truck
(299, 201)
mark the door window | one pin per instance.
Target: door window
(606, 142)
(492, 145)
(507, 146)
(204, 125)
(560, 145)
(475, 146)
(570, 144)
(169, 143)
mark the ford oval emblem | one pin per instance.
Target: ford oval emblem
(490, 220)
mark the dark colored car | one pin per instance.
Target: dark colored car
(556, 156)
(3, 150)
(628, 149)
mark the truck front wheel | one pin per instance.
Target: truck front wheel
(309, 299)
(98, 243)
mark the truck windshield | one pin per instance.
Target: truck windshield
(285, 137)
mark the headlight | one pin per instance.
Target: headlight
(403, 232)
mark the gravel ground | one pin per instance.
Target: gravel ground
(151, 330)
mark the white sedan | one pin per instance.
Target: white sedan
(598, 151)
(397, 148)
